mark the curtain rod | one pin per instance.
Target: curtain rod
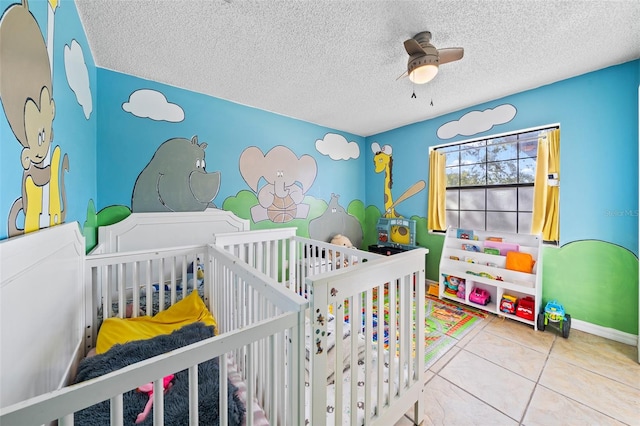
(499, 135)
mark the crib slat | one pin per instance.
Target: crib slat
(193, 395)
(224, 394)
(355, 318)
(172, 284)
(120, 285)
(160, 285)
(148, 289)
(393, 342)
(368, 355)
(116, 410)
(338, 375)
(380, 366)
(158, 402)
(136, 290)
(250, 386)
(66, 420)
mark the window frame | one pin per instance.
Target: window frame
(518, 185)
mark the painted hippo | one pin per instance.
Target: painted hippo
(175, 179)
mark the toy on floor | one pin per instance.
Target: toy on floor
(554, 313)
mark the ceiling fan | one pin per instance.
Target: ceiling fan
(424, 58)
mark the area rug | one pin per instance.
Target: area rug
(445, 324)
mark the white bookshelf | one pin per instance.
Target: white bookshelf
(456, 261)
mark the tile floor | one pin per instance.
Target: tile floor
(505, 373)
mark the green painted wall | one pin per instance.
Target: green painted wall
(596, 281)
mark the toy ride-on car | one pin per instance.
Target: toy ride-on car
(480, 296)
(554, 313)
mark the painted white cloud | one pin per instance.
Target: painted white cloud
(78, 76)
(337, 147)
(146, 103)
(477, 121)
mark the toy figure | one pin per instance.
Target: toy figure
(148, 389)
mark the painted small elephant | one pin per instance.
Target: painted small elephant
(175, 179)
(336, 220)
(288, 179)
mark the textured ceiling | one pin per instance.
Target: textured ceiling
(335, 63)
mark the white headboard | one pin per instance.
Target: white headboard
(41, 310)
(141, 231)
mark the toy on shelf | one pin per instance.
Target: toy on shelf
(452, 285)
(526, 307)
(508, 304)
(465, 234)
(554, 313)
(485, 275)
(460, 292)
(480, 296)
(471, 247)
(491, 250)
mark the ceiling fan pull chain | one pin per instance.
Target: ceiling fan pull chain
(413, 96)
(431, 101)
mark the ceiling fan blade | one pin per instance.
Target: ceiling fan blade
(450, 54)
(404, 74)
(413, 47)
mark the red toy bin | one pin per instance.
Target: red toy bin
(526, 307)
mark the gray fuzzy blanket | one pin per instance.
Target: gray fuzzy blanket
(176, 399)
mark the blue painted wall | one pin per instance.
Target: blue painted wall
(598, 117)
(126, 143)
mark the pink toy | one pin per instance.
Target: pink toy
(148, 389)
(461, 288)
(480, 296)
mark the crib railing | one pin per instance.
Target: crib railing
(315, 257)
(261, 333)
(287, 258)
(375, 296)
(60, 403)
(382, 303)
(121, 281)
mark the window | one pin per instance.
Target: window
(490, 182)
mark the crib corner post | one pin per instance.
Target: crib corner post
(420, 291)
(297, 385)
(318, 314)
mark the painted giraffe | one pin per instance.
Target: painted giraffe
(383, 161)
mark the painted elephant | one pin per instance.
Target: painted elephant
(175, 179)
(288, 179)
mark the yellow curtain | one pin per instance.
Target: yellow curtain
(545, 219)
(436, 219)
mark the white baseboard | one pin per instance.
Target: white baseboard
(607, 333)
(597, 330)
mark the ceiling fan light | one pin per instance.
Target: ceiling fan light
(423, 74)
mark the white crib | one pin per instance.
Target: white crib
(256, 284)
